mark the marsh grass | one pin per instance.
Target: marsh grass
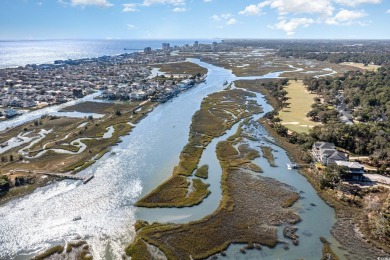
(202, 172)
(218, 112)
(268, 154)
(181, 68)
(174, 193)
(250, 209)
(49, 252)
(327, 252)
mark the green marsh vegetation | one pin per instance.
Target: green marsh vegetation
(250, 210)
(181, 68)
(202, 172)
(268, 154)
(218, 112)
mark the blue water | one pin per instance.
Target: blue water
(143, 160)
(20, 53)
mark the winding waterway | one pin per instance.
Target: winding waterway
(137, 165)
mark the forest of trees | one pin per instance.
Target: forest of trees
(366, 94)
(335, 51)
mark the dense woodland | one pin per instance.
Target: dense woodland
(335, 51)
(367, 96)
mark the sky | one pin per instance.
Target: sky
(194, 19)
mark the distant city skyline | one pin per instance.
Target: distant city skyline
(194, 19)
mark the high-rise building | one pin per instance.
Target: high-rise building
(196, 44)
(148, 50)
(165, 46)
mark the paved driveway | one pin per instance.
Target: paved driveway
(378, 178)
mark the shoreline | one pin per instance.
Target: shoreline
(229, 224)
(39, 182)
(235, 159)
(309, 181)
(81, 163)
(347, 217)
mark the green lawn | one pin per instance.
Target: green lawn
(294, 116)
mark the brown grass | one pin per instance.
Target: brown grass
(218, 113)
(173, 193)
(250, 209)
(188, 68)
(268, 154)
(202, 172)
(49, 252)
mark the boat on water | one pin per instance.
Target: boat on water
(76, 218)
(225, 83)
(292, 166)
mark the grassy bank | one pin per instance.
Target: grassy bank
(74, 249)
(267, 153)
(174, 193)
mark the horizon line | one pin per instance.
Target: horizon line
(188, 39)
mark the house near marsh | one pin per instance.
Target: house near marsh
(355, 169)
(326, 153)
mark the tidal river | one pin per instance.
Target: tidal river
(143, 160)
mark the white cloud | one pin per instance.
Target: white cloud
(345, 17)
(231, 21)
(130, 7)
(251, 10)
(207, 1)
(216, 17)
(170, 2)
(388, 11)
(357, 2)
(290, 26)
(101, 3)
(226, 16)
(130, 26)
(179, 9)
(323, 7)
(255, 9)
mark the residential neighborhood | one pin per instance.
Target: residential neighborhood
(122, 77)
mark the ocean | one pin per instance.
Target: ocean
(21, 53)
